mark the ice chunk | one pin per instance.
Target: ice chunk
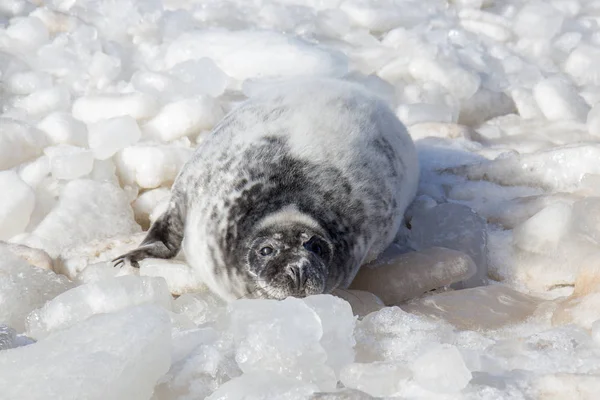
(184, 118)
(338, 322)
(456, 227)
(179, 276)
(558, 168)
(442, 369)
(557, 100)
(158, 84)
(333, 22)
(405, 276)
(101, 297)
(590, 185)
(7, 337)
(86, 210)
(62, 128)
(55, 20)
(16, 204)
(379, 379)
(458, 81)
(281, 337)
(202, 308)
(596, 331)
(593, 121)
(35, 173)
(564, 349)
(435, 129)
(484, 105)
(411, 114)
(543, 232)
(44, 101)
(586, 217)
(201, 76)
(36, 257)
(482, 308)
(27, 82)
(538, 20)
(392, 334)
(567, 386)
(582, 307)
(106, 171)
(525, 103)
(19, 142)
(558, 268)
(263, 385)
(581, 64)
(101, 271)
(104, 68)
(147, 202)
(150, 166)
(92, 109)
(106, 137)
(513, 212)
(117, 356)
(29, 32)
(75, 259)
(362, 303)
(342, 394)
(201, 363)
(69, 162)
(244, 54)
(24, 288)
(382, 16)
(484, 23)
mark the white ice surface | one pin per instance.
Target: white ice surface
(104, 101)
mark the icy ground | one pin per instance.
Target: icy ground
(104, 100)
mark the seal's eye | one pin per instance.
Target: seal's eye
(266, 251)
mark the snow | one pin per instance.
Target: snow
(492, 291)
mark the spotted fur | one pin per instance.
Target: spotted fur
(323, 155)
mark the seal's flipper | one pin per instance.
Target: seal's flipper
(162, 241)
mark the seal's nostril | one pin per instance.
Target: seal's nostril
(296, 275)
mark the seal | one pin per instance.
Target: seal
(290, 194)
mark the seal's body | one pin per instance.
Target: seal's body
(291, 193)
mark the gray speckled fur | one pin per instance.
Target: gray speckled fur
(321, 149)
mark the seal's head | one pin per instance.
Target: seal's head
(289, 260)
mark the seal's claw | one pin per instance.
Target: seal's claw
(128, 258)
(117, 262)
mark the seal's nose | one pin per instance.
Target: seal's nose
(297, 276)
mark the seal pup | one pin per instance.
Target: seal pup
(290, 194)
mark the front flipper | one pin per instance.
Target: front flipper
(163, 240)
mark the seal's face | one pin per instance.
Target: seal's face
(289, 261)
